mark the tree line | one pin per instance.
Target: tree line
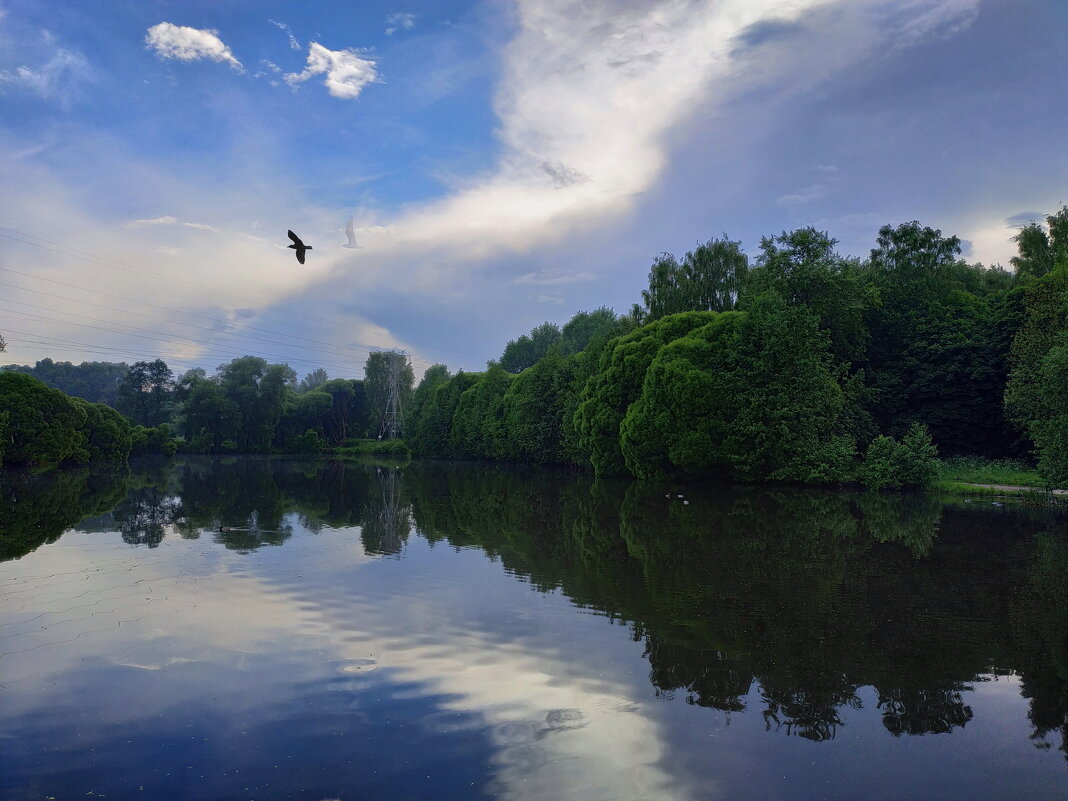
(246, 406)
(804, 366)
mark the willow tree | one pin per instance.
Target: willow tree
(617, 383)
(707, 278)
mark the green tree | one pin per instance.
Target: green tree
(335, 418)
(210, 418)
(418, 414)
(44, 426)
(535, 407)
(313, 380)
(521, 353)
(146, 392)
(1045, 321)
(586, 327)
(107, 432)
(617, 383)
(936, 356)
(913, 462)
(804, 268)
(433, 437)
(96, 382)
(258, 391)
(707, 278)
(478, 428)
(1042, 248)
(1049, 429)
(751, 398)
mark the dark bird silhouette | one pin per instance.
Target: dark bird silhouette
(350, 232)
(299, 246)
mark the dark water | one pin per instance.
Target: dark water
(461, 632)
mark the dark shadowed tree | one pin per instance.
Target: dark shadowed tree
(146, 393)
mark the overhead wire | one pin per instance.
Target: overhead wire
(148, 335)
(22, 237)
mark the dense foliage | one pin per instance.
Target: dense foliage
(42, 426)
(97, 382)
(807, 366)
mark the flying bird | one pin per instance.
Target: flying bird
(299, 246)
(350, 232)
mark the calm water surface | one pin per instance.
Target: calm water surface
(460, 632)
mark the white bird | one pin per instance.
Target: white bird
(350, 232)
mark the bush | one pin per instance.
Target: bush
(157, 440)
(890, 464)
(311, 441)
(44, 426)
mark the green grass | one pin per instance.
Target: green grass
(973, 470)
(1028, 497)
(366, 447)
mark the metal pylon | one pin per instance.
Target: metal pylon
(392, 419)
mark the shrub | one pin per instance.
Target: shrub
(912, 462)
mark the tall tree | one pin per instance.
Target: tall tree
(336, 419)
(146, 393)
(521, 353)
(707, 278)
(805, 269)
(1041, 248)
(932, 357)
(313, 380)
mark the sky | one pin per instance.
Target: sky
(502, 162)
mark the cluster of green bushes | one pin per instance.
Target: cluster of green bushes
(41, 426)
(808, 366)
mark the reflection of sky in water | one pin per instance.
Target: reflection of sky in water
(314, 670)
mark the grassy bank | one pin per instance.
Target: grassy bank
(973, 470)
(378, 447)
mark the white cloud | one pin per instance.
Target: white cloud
(200, 226)
(922, 20)
(347, 73)
(167, 220)
(293, 43)
(189, 44)
(548, 278)
(590, 104)
(58, 74)
(395, 22)
(802, 196)
(547, 297)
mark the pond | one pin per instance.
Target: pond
(273, 628)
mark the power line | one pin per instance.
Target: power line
(362, 350)
(365, 349)
(171, 340)
(141, 314)
(55, 247)
(106, 261)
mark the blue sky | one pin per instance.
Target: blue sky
(504, 163)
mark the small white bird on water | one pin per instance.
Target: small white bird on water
(350, 232)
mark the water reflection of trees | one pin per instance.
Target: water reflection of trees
(35, 510)
(773, 602)
(810, 595)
